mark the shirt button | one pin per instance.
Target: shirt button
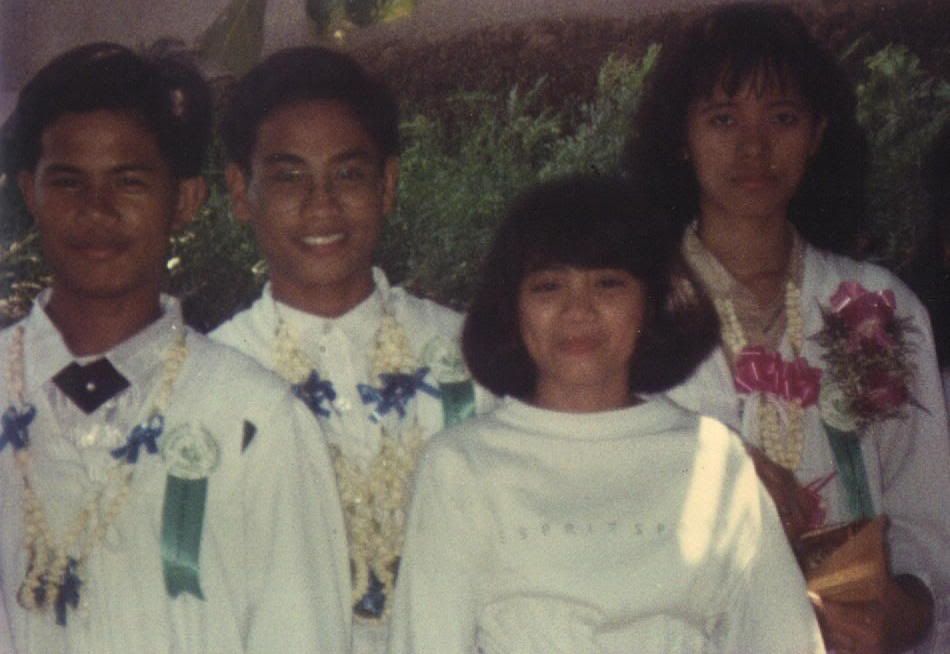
(90, 438)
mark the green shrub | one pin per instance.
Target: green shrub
(213, 265)
(901, 108)
(603, 124)
(459, 174)
(456, 178)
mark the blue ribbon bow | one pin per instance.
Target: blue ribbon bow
(315, 392)
(396, 392)
(16, 425)
(373, 602)
(68, 593)
(146, 434)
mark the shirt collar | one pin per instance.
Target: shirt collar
(655, 415)
(718, 281)
(46, 353)
(359, 323)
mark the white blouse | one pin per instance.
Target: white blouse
(644, 529)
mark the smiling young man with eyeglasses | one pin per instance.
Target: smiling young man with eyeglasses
(313, 149)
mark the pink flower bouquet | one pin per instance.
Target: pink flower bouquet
(867, 357)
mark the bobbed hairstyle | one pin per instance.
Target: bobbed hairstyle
(763, 45)
(587, 222)
(299, 75)
(167, 95)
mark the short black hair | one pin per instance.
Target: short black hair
(299, 75)
(766, 44)
(587, 222)
(167, 94)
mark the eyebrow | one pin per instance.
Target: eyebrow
(58, 168)
(132, 167)
(355, 153)
(708, 105)
(282, 158)
(552, 268)
(278, 158)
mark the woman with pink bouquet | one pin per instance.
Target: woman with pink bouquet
(826, 365)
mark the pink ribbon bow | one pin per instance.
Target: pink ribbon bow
(763, 371)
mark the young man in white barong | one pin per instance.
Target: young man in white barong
(158, 492)
(312, 143)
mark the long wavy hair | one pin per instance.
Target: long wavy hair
(762, 44)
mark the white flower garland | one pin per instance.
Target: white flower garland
(48, 559)
(374, 494)
(783, 446)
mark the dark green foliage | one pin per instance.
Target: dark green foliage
(320, 12)
(22, 273)
(363, 12)
(213, 265)
(457, 176)
(22, 276)
(902, 108)
(602, 124)
(338, 17)
(235, 39)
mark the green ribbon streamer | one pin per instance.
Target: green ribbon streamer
(458, 401)
(182, 521)
(846, 446)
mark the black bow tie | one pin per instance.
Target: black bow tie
(91, 385)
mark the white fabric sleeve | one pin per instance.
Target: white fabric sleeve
(297, 568)
(767, 606)
(914, 455)
(436, 604)
(6, 639)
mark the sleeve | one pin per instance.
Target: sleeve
(437, 594)
(914, 458)
(6, 638)
(767, 603)
(298, 571)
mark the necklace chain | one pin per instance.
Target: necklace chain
(782, 445)
(55, 568)
(374, 493)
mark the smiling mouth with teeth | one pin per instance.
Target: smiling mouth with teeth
(322, 240)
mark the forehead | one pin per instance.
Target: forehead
(752, 91)
(313, 128)
(762, 82)
(99, 138)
